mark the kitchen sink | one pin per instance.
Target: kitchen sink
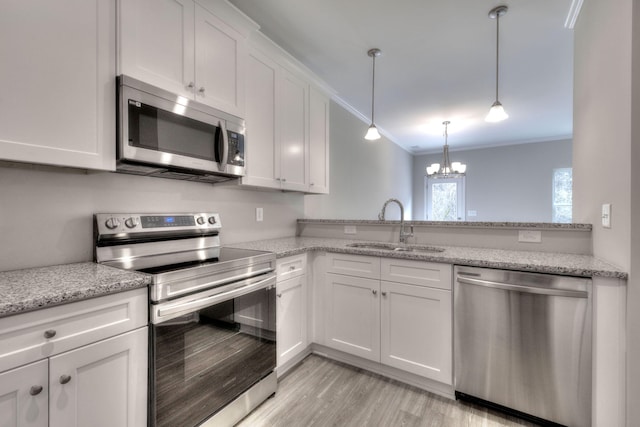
(396, 248)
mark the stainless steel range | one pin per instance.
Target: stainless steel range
(212, 315)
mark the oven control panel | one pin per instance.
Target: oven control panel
(144, 223)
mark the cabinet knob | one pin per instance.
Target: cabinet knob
(35, 390)
(293, 267)
(65, 379)
(279, 295)
(384, 294)
(201, 90)
(311, 184)
(284, 179)
(374, 291)
(49, 333)
(191, 85)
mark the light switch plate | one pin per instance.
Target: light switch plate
(606, 215)
(529, 236)
(350, 229)
(259, 214)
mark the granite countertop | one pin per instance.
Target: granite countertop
(456, 224)
(35, 288)
(541, 262)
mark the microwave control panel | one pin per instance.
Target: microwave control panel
(236, 148)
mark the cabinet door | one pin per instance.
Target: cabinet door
(291, 311)
(318, 142)
(24, 396)
(263, 129)
(102, 384)
(220, 63)
(353, 315)
(293, 141)
(157, 43)
(416, 330)
(57, 82)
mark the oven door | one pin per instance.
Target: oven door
(209, 348)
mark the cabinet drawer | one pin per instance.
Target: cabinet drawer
(354, 265)
(292, 266)
(422, 273)
(24, 336)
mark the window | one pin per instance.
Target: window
(562, 195)
(445, 199)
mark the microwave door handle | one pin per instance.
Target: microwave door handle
(225, 146)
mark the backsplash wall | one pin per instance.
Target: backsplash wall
(46, 212)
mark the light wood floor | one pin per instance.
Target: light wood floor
(321, 392)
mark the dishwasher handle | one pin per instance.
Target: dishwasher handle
(522, 288)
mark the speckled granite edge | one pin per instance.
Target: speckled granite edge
(457, 224)
(36, 288)
(540, 262)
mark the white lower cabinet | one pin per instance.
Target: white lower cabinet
(102, 384)
(353, 315)
(416, 330)
(394, 319)
(76, 365)
(24, 395)
(291, 310)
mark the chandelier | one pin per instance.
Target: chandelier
(447, 169)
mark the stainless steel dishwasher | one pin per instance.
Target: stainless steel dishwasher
(522, 343)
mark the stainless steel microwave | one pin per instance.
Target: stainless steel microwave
(167, 135)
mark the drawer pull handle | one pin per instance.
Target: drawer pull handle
(35, 390)
(49, 333)
(65, 379)
(293, 267)
(374, 291)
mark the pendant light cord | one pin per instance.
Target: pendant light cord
(373, 89)
(497, 52)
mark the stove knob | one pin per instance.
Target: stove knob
(200, 220)
(112, 223)
(131, 222)
(212, 220)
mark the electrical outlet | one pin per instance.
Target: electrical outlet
(259, 214)
(606, 215)
(472, 213)
(350, 229)
(529, 236)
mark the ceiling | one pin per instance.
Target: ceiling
(437, 63)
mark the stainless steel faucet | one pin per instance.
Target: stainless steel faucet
(404, 235)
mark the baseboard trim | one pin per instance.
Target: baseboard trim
(436, 387)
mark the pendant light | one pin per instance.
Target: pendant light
(372, 132)
(447, 169)
(497, 113)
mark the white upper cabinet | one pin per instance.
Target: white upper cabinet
(294, 143)
(263, 127)
(57, 82)
(183, 47)
(157, 39)
(287, 123)
(220, 63)
(318, 142)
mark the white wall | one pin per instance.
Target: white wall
(364, 174)
(606, 138)
(46, 213)
(507, 183)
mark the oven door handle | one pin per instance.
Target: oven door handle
(169, 311)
